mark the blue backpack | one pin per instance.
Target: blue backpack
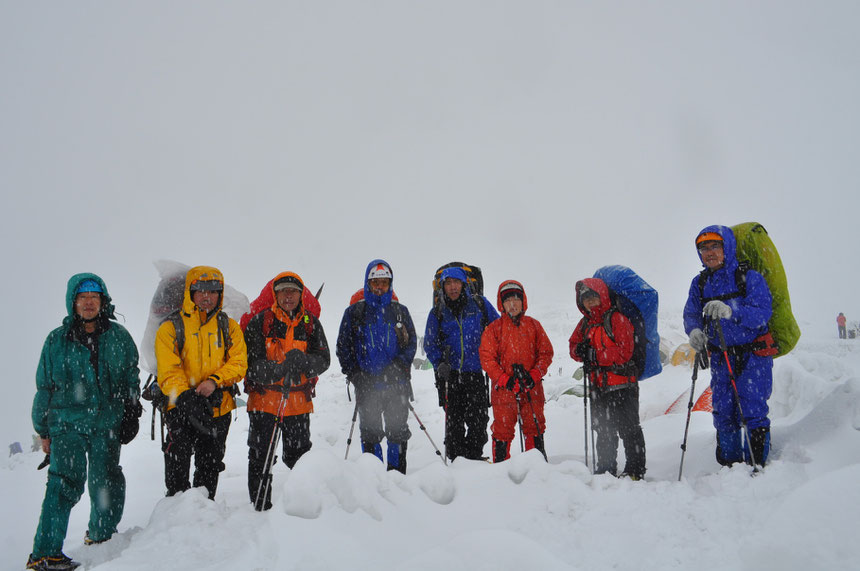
(637, 301)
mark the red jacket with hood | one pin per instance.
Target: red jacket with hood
(506, 342)
(609, 351)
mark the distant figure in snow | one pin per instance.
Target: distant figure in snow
(375, 346)
(86, 406)
(714, 297)
(840, 323)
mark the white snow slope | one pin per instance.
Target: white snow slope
(330, 513)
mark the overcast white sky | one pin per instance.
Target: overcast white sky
(538, 140)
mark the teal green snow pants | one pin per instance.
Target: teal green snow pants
(66, 477)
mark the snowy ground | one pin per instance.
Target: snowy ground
(335, 514)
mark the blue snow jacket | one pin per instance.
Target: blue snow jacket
(367, 341)
(753, 373)
(458, 336)
(750, 314)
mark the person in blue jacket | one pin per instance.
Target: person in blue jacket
(452, 338)
(740, 300)
(375, 346)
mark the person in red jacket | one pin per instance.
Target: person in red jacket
(603, 342)
(840, 323)
(516, 353)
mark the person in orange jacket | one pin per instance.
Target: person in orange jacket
(603, 341)
(840, 323)
(516, 353)
(201, 356)
(287, 348)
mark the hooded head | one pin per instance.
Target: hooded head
(287, 281)
(719, 233)
(203, 278)
(87, 282)
(509, 288)
(454, 273)
(592, 287)
(378, 269)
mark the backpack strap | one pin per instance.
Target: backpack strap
(740, 284)
(175, 317)
(268, 319)
(224, 332)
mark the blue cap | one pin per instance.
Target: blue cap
(89, 285)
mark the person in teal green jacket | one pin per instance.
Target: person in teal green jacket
(86, 405)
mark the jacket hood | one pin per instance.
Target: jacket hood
(72, 286)
(602, 290)
(369, 296)
(204, 273)
(456, 273)
(280, 276)
(499, 296)
(729, 245)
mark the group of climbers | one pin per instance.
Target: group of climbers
(86, 402)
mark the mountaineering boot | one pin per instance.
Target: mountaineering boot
(374, 448)
(501, 450)
(760, 439)
(397, 456)
(90, 541)
(53, 563)
(729, 448)
(537, 442)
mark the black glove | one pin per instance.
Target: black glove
(252, 387)
(581, 350)
(130, 423)
(443, 397)
(523, 376)
(443, 372)
(396, 371)
(525, 379)
(357, 379)
(292, 367)
(197, 411)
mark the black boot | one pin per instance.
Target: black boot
(397, 456)
(501, 450)
(760, 444)
(538, 442)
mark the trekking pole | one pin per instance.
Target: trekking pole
(537, 426)
(446, 356)
(424, 428)
(746, 430)
(351, 428)
(689, 412)
(520, 423)
(585, 413)
(266, 477)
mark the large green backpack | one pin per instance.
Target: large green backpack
(756, 250)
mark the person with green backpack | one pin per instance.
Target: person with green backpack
(727, 313)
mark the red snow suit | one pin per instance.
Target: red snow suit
(504, 343)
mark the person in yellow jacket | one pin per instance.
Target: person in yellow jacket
(287, 350)
(201, 356)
